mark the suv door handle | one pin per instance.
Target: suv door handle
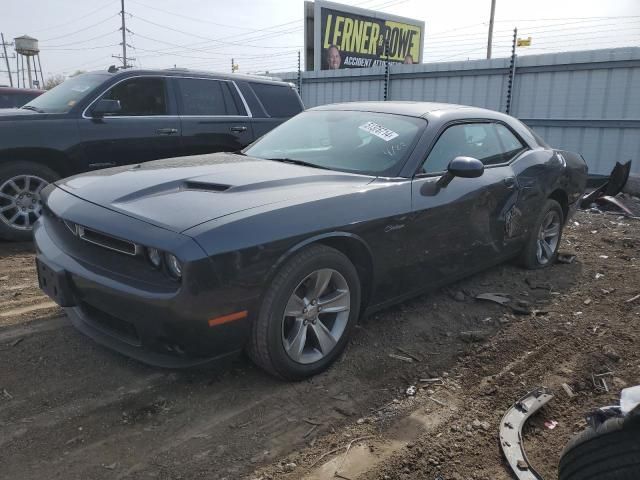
(509, 182)
(239, 129)
(166, 131)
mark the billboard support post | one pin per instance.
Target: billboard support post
(512, 72)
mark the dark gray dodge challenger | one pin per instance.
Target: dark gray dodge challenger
(278, 249)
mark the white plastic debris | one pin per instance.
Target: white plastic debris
(629, 399)
(411, 391)
(599, 275)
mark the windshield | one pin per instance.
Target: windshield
(352, 141)
(65, 96)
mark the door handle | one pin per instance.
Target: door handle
(239, 129)
(166, 131)
(510, 182)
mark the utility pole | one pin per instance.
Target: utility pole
(490, 40)
(6, 59)
(124, 38)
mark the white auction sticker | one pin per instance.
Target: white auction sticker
(379, 131)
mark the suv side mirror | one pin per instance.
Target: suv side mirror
(104, 107)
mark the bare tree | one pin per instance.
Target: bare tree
(53, 81)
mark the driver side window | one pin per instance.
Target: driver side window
(477, 140)
(141, 96)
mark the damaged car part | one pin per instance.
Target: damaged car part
(605, 193)
(511, 432)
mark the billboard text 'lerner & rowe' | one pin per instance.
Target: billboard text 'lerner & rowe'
(350, 40)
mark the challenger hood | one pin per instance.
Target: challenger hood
(180, 193)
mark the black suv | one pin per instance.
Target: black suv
(103, 119)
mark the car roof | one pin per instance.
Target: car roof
(412, 109)
(200, 73)
(20, 90)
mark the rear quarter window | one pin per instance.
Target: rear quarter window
(278, 100)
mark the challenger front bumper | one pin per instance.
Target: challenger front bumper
(125, 305)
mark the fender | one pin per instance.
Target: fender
(319, 238)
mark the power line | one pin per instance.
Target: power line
(83, 48)
(79, 42)
(193, 18)
(210, 39)
(75, 20)
(81, 30)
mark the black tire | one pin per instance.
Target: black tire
(11, 170)
(610, 452)
(266, 347)
(528, 257)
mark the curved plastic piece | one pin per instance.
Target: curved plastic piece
(511, 432)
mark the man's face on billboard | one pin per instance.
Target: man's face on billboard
(333, 58)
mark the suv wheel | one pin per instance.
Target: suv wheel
(20, 203)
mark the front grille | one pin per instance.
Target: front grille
(114, 325)
(107, 241)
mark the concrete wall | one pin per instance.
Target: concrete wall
(588, 102)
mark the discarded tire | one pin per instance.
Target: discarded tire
(609, 452)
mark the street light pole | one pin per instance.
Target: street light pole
(490, 39)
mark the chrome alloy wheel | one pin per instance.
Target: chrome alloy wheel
(20, 203)
(316, 316)
(548, 237)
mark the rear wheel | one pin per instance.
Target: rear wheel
(307, 314)
(20, 203)
(541, 248)
(609, 452)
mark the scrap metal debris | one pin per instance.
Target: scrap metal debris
(520, 307)
(632, 299)
(565, 258)
(511, 432)
(401, 357)
(605, 194)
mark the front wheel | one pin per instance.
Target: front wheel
(20, 203)
(307, 314)
(541, 248)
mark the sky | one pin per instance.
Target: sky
(266, 35)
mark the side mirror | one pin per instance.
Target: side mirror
(463, 167)
(105, 107)
(466, 167)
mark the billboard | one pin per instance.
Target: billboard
(339, 36)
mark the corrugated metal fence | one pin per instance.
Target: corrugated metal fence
(588, 102)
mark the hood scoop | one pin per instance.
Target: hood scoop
(205, 186)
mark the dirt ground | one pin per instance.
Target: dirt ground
(70, 409)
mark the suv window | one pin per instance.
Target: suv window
(278, 100)
(488, 142)
(140, 96)
(200, 96)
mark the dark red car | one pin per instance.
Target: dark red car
(17, 97)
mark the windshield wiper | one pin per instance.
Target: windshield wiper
(31, 107)
(293, 161)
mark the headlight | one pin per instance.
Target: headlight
(174, 266)
(154, 256)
